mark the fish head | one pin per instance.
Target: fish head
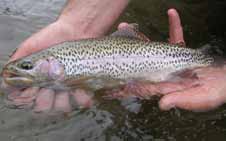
(33, 70)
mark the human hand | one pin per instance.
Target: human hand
(79, 19)
(46, 99)
(208, 91)
(200, 89)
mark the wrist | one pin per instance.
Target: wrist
(91, 18)
(73, 30)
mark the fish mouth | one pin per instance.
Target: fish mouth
(9, 74)
(16, 79)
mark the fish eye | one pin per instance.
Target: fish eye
(27, 65)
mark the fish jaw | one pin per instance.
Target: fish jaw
(14, 76)
(19, 82)
(44, 70)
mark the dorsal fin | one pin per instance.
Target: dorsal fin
(181, 44)
(131, 31)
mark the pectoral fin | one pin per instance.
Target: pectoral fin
(77, 83)
(92, 83)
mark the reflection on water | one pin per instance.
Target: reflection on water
(107, 120)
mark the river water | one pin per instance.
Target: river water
(109, 120)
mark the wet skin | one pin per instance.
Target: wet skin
(184, 95)
(199, 89)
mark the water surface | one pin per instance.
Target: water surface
(109, 120)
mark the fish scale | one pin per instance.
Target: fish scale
(124, 58)
(102, 63)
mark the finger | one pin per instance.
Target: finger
(196, 99)
(50, 35)
(27, 94)
(23, 50)
(44, 101)
(22, 99)
(62, 102)
(82, 98)
(123, 25)
(145, 90)
(175, 28)
(13, 95)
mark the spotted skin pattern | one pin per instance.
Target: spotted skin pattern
(125, 58)
(104, 62)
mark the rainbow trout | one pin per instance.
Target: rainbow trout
(104, 62)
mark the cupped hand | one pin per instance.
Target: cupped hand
(207, 93)
(43, 99)
(201, 89)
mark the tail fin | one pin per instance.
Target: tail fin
(215, 52)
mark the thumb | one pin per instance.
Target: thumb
(195, 99)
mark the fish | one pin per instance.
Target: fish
(126, 55)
